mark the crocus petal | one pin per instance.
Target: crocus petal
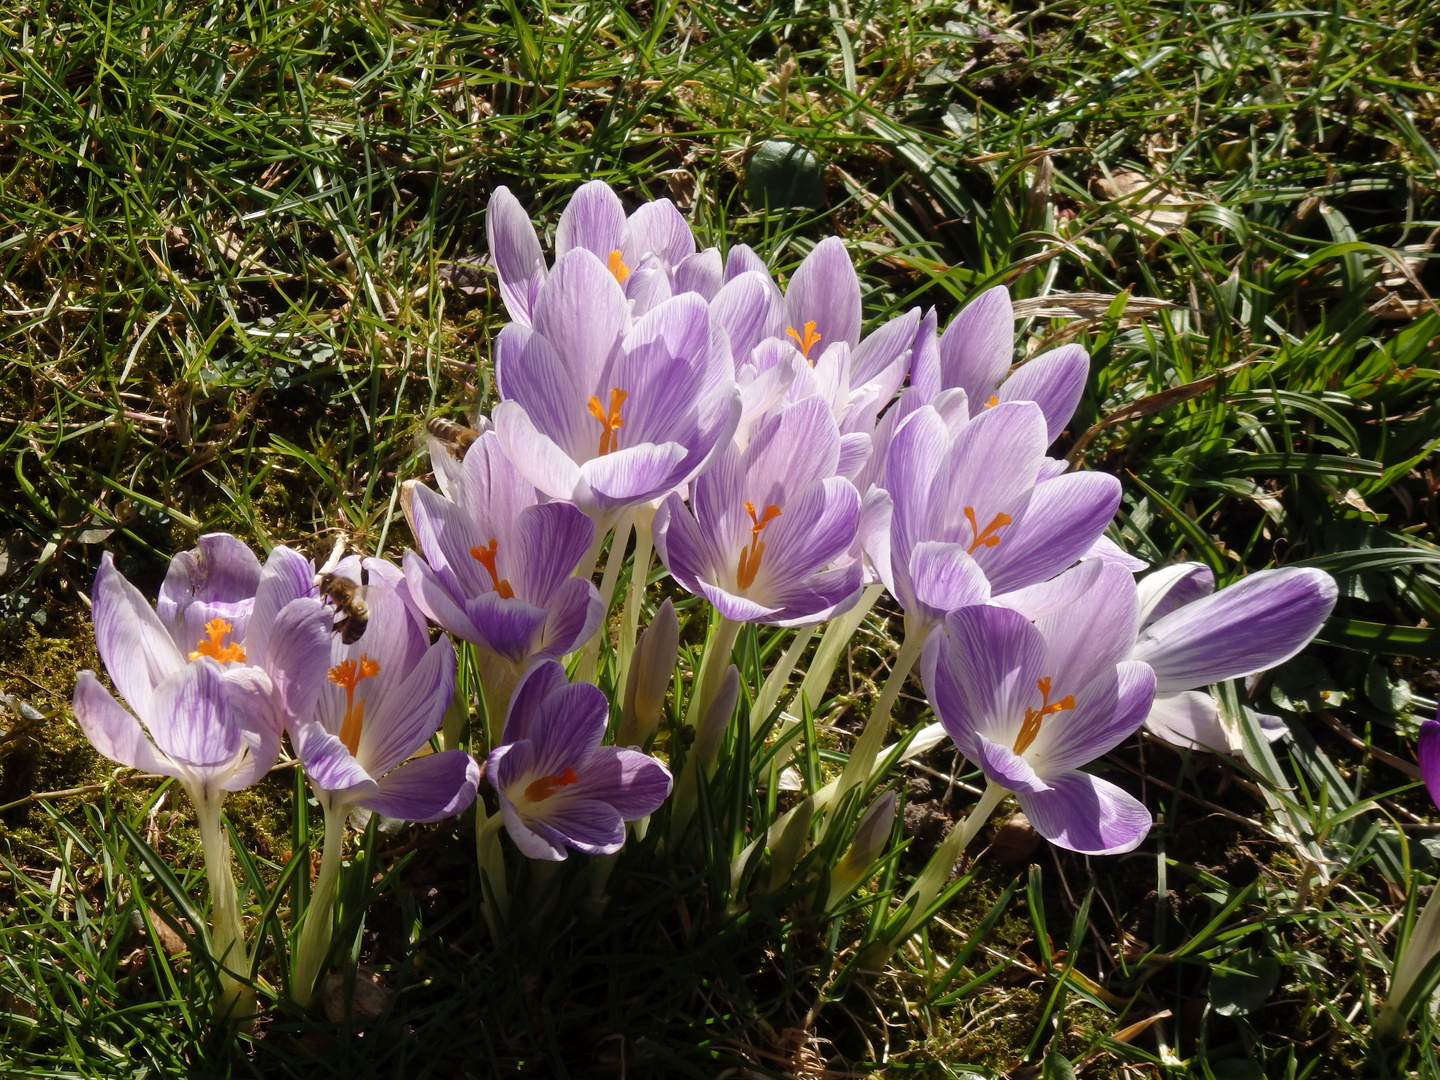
(634, 474)
(404, 720)
(1106, 550)
(990, 660)
(510, 628)
(1086, 814)
(516, 253)
(114, 732)
(702, 272)
(884, 355)
(741, 259)
(826, 291)
(137, 651)
(575, 614)
(1095, 632)
(1258, 622)
(215, 579)
(1171, 587)
(191, 718)
(327, 761)
(1005, 767)
(1089, 733)
(1191, 719)
(286, 576)
(536, 456)
(297, 656)
(743, 308)
(1427, 752)
(533, 372)
(635, 784)
(1055, 381)
(944, 577)
(977, 346)
(534, 687)
(554, 537)
(593, 219)
(581, 312)
(592, 826)
(436, 600)
(658, 228)
(1062, 520)
(428, 788)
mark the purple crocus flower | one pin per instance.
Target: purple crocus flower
(385, 697)
(498, 562)
(1427, 755)
(975, 352)
(607, 414)
(210, 716)
(766, 523)
(963, 516)
(1193, 636)
(650, 254)
(1032, 702)
(558, 786)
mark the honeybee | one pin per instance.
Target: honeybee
(348, 600)
(455, 438)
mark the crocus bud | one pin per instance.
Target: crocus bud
(710, 731)
(649, 678)
(869, 842)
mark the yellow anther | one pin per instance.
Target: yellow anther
(486, 557)
(347, 674)
(807, 341)
(610, 422)
(542, 789)
(1030, 726)
(986, 537)
(618, 267)
(213, 644)
(750, 557)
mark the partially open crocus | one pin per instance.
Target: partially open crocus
(765, 524)
(1193, 636)
(558, 786)
(603, 413)
(651, 253)
(975, 352)
(1032, 702)
(962, 501)
(498, 562)
(206, 716)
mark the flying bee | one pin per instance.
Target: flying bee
(455, 438)
(348, 600)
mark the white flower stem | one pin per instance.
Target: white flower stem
(644, 519)
(590, 651)
(836, 639)
(318, 924)
(718, 651)
(937, 871)
(236, 1001)
(494, 891)
(779, 676)
(872, 737)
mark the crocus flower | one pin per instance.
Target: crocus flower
(1193, 636)
(607, 414)
(558, 786)
(384, 698)
(765, 524)
(498, 562)
(962, 502)
(1032, 702)
(975, 354)
(651, 254)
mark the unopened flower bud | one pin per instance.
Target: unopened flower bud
(650, 671)
(870, 839)
(715, 720)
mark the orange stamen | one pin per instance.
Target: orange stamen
(542, 789)
(1030, 726)
(618, 267)
(806, 342)
(486, 557)
(610, 422)
(750, 557)
(992, 402)
(212, 645)
(347, 674)
(987, 537)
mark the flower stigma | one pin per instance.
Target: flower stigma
(618, 267)
(992, 402)
(1030, 726)
(986, 537)
(806, 342)
(348, 674)
(542, 789)
(750, 557)
(610, 422)
(486, 557)
(212, 645)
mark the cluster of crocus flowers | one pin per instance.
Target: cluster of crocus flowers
(786, 468)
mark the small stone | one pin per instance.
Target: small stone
(369, 1000)
(1015, 840)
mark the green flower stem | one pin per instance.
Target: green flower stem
(862, 756)
(236, 1001)
(780, 675)
(644, 520)
(318, 925)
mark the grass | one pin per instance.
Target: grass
(240, 261)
